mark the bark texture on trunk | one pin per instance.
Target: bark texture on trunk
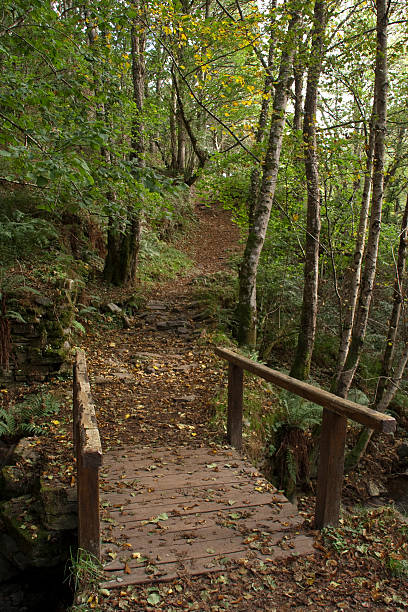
(363, 308)
(301, 365)
(181, 144)
(173, 129)
(298, 75)
(247, 309)
(123, 247)
(390, 378)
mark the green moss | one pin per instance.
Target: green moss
(41, 547)
(15, 481)
(161, 261)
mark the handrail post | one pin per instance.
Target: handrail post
(88, 453)
(235, 405)
(89, 528)
(330, 472)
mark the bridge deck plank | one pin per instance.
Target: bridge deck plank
(170, 512)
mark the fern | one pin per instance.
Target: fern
(7, 423)
(297, 412)
(291, 465)
(289, 443)
(21, 419)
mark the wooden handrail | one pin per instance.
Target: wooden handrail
(88, 453)
(361, 414)
(336, 411)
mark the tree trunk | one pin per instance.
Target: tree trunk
(298, 74)
(122, 249)
(124, 243)
(389, 381)
(363, 309)
(263, 118)
(247, 309)
(181, 144)
(350, 302)
(138, 45)
(301, 365)
(173, 129)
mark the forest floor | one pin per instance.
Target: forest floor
(155, 383)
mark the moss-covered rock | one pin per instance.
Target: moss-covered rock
(16, 481)
(59, 505)
(26, 543)
(27, 450)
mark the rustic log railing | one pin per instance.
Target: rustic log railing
(88, 453)
(336, 411)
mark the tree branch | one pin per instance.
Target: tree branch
(17, 23)
(21, 129)
(193, 94)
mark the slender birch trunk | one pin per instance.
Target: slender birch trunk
(388, 383)
(173, 129)
(350, 302)
(301, 365)
(298, 76)
(363, 308)
(263, 118)
(247, 309)
(138, 45)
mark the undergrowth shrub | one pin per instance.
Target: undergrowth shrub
(21, 234)
(291, 442)
(227, 184)
(159, 260)
(218, 294)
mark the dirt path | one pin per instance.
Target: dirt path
(155, 382)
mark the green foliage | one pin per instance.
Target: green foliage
(27, 418)
(160, 260)
(290, 442)
(84, 573)
(227, 182)
(84, 570)
(279, 292)
(325, 350)
(296, 412)
(22, 234)
(218, 294)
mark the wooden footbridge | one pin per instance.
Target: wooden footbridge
(153, 514)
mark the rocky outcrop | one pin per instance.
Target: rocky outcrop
(38, 516)
(41, 340)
